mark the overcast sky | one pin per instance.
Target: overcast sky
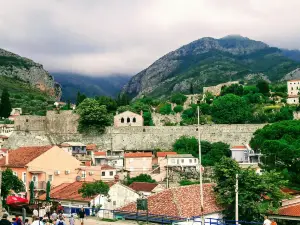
(125, 36)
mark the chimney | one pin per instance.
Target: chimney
(6, 158)
(141, 112)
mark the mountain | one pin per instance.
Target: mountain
(90, 86)
(210, 61)
(25, 70)
(292, 54)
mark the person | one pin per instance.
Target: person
(35, 212)
(37, 221)
(19, 220)
(273, 222)
(26, 222)
(4, 220)
(81, 215)
(60, 221)
(48, 208)
(54, 216)
(14, 221)
(72, 220)
(267, 221)
(60, 209)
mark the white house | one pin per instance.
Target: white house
(183, 160)
(128, 118)
(108, 173)
(244, 154)
(293, 87)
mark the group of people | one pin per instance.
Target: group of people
(56, 218)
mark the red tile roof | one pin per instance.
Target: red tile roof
(69, 191)
(91, 147)
(143, 186)
(24, 155)
(3, 137)
(100, 153)
(138, 155)
(290, 210)
(164, 154)
(239, 147)
(107, 167)
(180, 201)
(289, 191)
(88, 163)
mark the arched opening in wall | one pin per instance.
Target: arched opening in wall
(198, 102)
(134, 120)
(128, 120)
(122, 120)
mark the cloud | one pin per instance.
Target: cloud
(100, 37)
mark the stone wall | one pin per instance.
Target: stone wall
(64, 122)
(216, 90)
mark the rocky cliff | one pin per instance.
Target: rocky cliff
(207, 62)
(17, 67)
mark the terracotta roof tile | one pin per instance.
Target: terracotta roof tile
(180, 202)
(164, 154)
(24, 155)
(143, 186)
(138, 155)
(100, 153)
(289, 191)
(69, 191)
(290, 210)
(239, 147)
(3, 137)
(91, 147)
(107, 167)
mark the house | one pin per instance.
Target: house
(293, 91)
(244, 154)
(137, 163)
(289, 210)
(146, 188)
(67, 193)
(3, 152)
(6, 129)
(181, 201)
(128, 118)
(91, 149)
(159, 165)
(41, 164)
(115, 158)
(108, 173)
(100, 158)
(181, 160)
(79, 151)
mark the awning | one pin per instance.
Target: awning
(17, 201)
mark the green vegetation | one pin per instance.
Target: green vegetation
(178, 98)
(165, 109)
(258, 194)
(279, 143)
(23, 95)
(93, 116)
(211, 152)
(140, 178)
(178, 108)
(5, 105)
(93, 189)
(187, 182)
(10, 182)
(80, 98)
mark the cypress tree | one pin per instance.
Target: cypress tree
(5, 105)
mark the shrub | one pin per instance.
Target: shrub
(165, 109)
(178, 98)
(178, 108)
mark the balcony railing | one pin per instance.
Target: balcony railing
(39, 185)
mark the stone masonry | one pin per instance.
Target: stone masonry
(57, 128)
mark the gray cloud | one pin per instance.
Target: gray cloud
(104, 37)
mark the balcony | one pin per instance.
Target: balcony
(39, 185)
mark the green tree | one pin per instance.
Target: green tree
(258, 194)
(48, 189)
(165, 109)
(230, 109)
(80, 97)
(209, 97)
(178, 98)
(122, 99)
(187, 182)
(148, 119)
(263, 87)
(111, 104)
(93, 189)
(93, 116)
(178, 108)
(280, 145)
(140, 178)
(235, 89)
(10, 182)
(5, 105)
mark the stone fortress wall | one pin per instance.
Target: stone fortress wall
(56, 128)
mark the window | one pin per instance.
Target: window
(83, 174)
(195, 160)
(50, 177)
(122, 120)
(134, 120)
(114, 203)
(128, 120)
(177, 161)
(111, 173)
(292, 88)
(191, 161)
(24, 177)
(182, 160)
(103, 173)
(35, 178)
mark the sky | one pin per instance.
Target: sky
(104, 37)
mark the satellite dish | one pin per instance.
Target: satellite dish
(78, 178)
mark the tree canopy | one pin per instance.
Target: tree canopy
(93, 189)
(258, 194)
(211, 152)
(140, 178)
(10, 182)
(80, 98)
(230, 109)
(5, 105)
(93, 116)
(263, 87)
(280, 145)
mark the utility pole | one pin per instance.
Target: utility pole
(200, 169)
(0, 193)
(167, 176)
(237, 199)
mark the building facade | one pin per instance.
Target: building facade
(128, 118)
(137, 163)
(293, 87)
